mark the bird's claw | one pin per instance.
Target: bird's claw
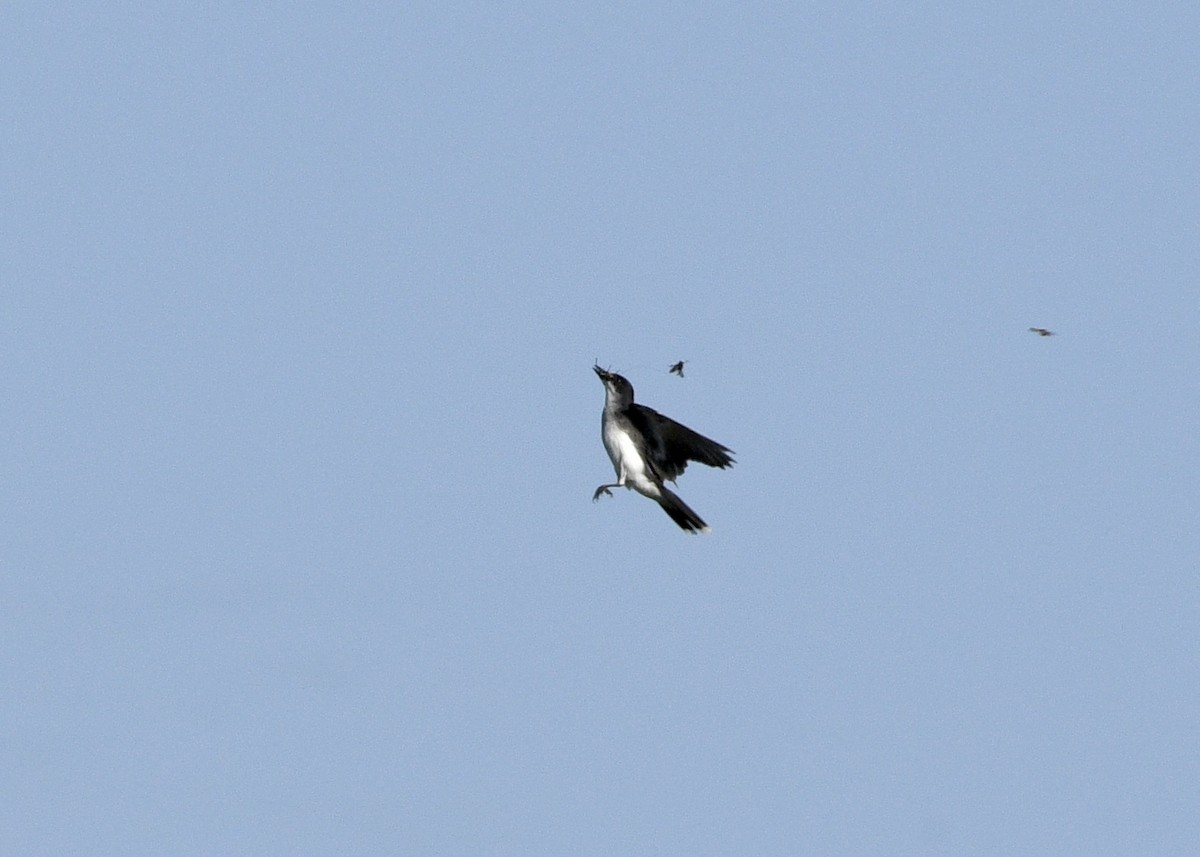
(603, 489)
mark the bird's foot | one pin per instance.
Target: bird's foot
(603, 489)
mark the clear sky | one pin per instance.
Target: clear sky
(298, 307)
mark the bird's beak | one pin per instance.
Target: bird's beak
(603, 375)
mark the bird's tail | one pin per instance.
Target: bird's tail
(680, 512)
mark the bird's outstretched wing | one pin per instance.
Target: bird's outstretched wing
(671, 445)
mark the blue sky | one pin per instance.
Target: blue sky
(299, 306)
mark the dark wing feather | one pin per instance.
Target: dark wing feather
(671, 445)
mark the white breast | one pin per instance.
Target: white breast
(628, 457)
(628, 462)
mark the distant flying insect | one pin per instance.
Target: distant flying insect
(677, 369)
(1041, 331)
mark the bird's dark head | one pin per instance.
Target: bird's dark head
(618, 388)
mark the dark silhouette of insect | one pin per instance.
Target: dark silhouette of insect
(1041, 331)
(677, 369)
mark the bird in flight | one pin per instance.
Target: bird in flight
(677, 369)
(1041, 331)
(648, 450)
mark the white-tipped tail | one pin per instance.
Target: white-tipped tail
(681, 513)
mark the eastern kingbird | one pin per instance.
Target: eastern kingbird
(1041, 331)
(677, 368)
(648, 449)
